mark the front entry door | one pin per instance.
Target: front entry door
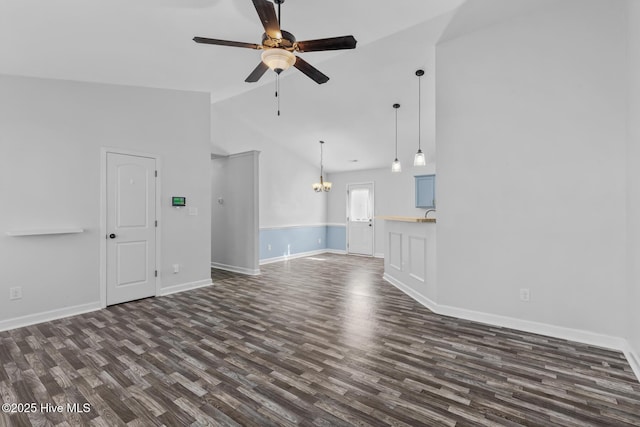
(131, 228)
(360, 219)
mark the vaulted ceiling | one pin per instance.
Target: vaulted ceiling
(149, 43)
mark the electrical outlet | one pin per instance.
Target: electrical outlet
(176, 268)
(319, 240)
(525, 294)
(15, 293)
(269, 246)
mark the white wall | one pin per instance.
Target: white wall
(234, 212)
(531, 167)
(394, 195)
(285, 180)
(52, 133)
(633, 176)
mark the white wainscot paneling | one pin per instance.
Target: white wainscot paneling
(417, 257)
(395, 250)
(410, 255)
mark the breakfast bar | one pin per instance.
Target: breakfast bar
(410, 255)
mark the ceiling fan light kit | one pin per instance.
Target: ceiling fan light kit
(419, 159)
(323, 185)
(278, 59)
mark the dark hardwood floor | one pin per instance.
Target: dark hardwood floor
(317, 341)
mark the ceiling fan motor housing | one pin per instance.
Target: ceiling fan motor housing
(286, 42)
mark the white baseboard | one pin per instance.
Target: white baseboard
(185, 287)
(47, 316)
(335, 251)
(633, 358)
(570, 334)
(413, 294)
(576, 335)
(378, 255)
(292, 256)
(236, 269)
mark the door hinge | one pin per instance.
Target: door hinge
(156, 174)
(156, 222)
(156, 273)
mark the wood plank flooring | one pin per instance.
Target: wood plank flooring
(317, 341)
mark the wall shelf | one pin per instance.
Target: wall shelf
(18, 233)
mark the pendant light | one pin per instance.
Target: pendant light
(419, 159)
(323, 185)
(395, 166)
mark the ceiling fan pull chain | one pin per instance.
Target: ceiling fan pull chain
(278, 92)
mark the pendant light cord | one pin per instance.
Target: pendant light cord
(395, 166)
(321, 162)
(278, 74)
(321, 159)
(419, 111)
(396, 108)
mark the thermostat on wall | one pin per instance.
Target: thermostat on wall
(178, 201)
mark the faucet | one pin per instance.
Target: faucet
(427, 212)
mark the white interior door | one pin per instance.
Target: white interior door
(360, 219)
(131, 228)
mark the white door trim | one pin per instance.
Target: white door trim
(103, 217)
(373, 213)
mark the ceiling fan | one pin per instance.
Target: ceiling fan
(278, 45)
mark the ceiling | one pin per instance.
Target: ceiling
(149, 43)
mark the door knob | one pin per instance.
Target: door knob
(112, 236)
(369, 225)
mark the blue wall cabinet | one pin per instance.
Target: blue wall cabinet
(425, 191)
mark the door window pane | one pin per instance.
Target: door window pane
(359, 209)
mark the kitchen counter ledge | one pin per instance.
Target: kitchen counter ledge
(407, 218)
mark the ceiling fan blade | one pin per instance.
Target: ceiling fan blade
(225, 43)
(267, 13)
(312, 72)
(333, 43)
(257, 73)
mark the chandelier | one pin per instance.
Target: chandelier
(323, 185)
